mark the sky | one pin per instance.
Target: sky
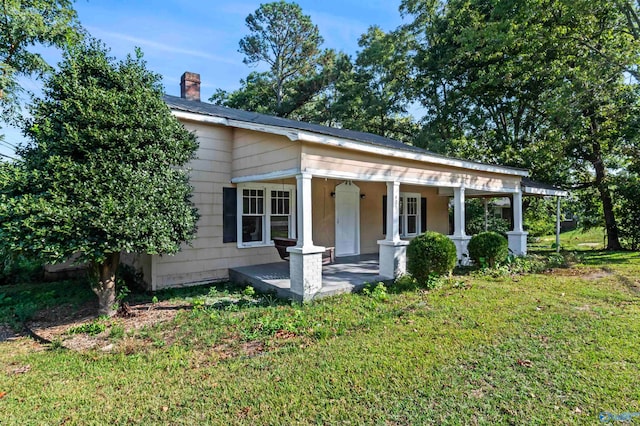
(202, 36)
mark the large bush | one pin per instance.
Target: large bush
(488, 247)
(430, 254)
(105, 170)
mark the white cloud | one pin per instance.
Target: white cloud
(163, 47)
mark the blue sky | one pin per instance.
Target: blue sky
(202, 36)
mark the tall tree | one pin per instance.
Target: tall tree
(313, 97)
(284, 39)
(531, 83)
(104, 172)
(302, 96)
(374, 97)
(24, 25)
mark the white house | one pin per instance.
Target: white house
(258, 177)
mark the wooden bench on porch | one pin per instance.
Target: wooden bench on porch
(281, 245)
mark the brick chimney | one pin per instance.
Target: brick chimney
(190, 86)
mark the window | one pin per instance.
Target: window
(413, 214)
(409, 215)
(266, 212)
(229, 215)
(280, 214)
(252, 215)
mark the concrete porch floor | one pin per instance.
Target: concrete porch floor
(347, 274)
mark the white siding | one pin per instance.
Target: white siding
(208, 258)
(258, 153)
(364, 166)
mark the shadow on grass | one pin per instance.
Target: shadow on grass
(604, 257)
(64, 302)
(20, 302)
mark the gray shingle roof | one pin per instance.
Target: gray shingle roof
(180, 104)
(175, 102)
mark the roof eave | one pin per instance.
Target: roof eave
(532, 190)
(312, 137)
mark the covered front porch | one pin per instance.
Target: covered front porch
(346, 274)
(368, 220)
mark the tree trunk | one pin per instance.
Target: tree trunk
(105, 288)
(613, 240)
(279, 90)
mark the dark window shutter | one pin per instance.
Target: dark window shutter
(384, 214)
(229, 215)
(423, 214)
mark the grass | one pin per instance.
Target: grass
(538, 349)
(578, 239)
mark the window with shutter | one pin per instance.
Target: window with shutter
(267, 211)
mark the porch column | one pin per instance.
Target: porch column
(459, 237)
(486, 214)
(393, 250)
(557, 224)
(305, 259)
(517, 237)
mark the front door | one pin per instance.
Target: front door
(347, 219)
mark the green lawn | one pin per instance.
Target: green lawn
(553, 348)
(578, 239)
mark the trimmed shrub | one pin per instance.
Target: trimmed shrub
(488, 247)
(430, 254)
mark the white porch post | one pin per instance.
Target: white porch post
(557, 224)
(517, 237)
(458, 212)
(486, 214)
(393, 250)
(393, 211)
(303, 210)
(459, 237)
(305, 259)
(517, 212)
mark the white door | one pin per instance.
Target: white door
(347, 219)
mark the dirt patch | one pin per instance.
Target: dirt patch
(583, 308)
(48, 324)
(596, 275)
(252, 348)
(632, 284)
(53, 325)
(587, 274)
(590, 244)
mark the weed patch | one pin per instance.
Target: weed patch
(92, 328)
